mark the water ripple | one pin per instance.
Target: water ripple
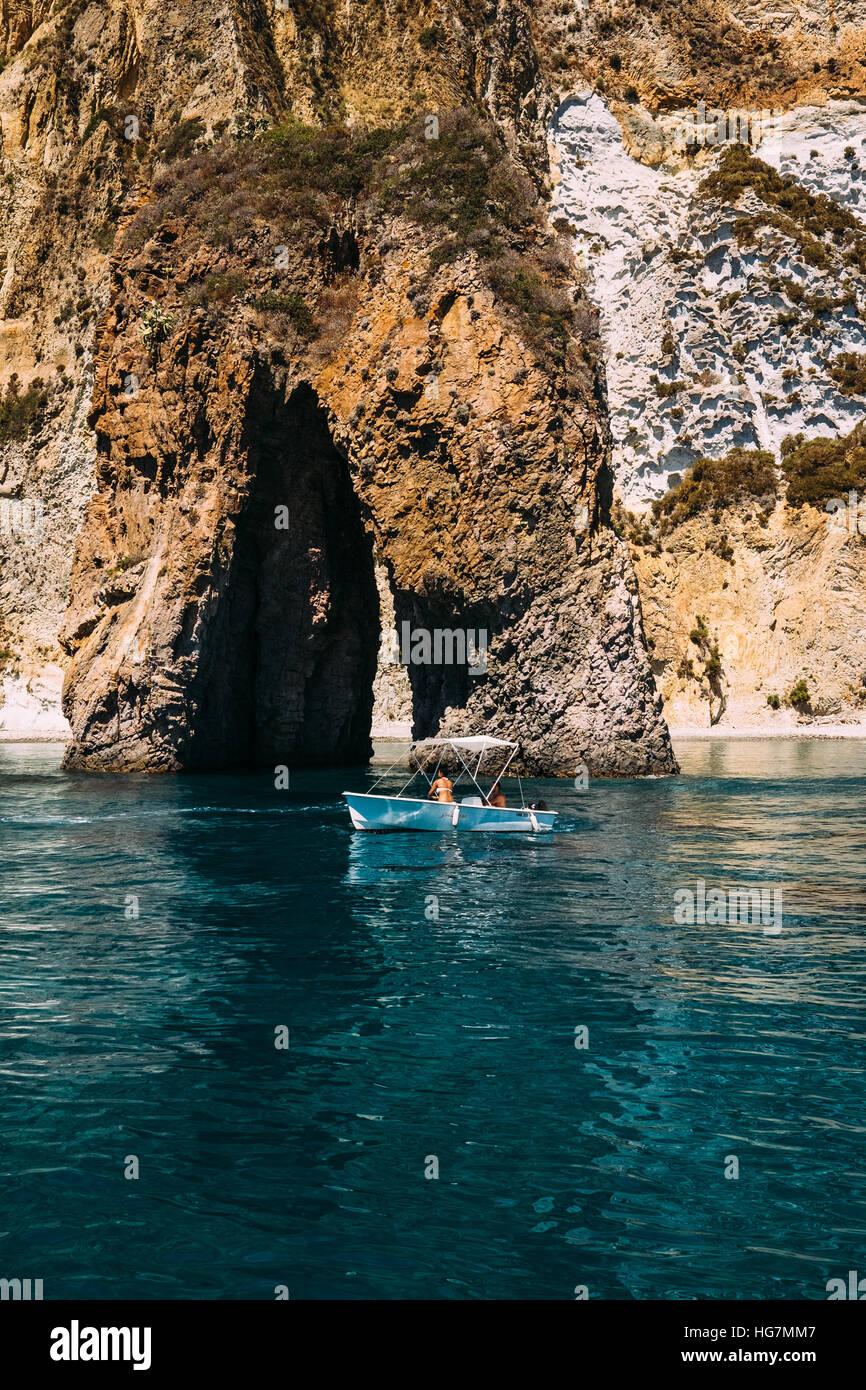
(156, 932)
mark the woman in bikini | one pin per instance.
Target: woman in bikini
(441, 790)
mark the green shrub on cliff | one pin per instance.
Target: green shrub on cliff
(294, 306)
(810, 219)
(21, 411)
(546, 310)
(461, 183)
(180, 140)
(332, 160)
(818, 469)
(715, 484)
(103, 236)
(224, 288)
(431, 37)
(665, 389)
(288, 181)
(291, 185)
(848, 370)
(155, 325)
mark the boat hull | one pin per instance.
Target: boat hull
(372, 812)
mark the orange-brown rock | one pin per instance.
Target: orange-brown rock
(468, 500)
(224, 603)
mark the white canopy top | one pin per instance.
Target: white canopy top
(474, 745)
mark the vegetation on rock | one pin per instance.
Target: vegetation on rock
(156, 324)
(21, 411)
(848, 370)
(715, 484)
(289, 185)
(817, 469)
(810, 219)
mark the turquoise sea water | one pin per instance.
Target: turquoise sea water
(414, 1036)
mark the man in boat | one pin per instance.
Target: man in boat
(495, 797)
(441, 790)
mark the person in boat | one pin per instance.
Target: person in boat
(495, 797)
(441, 790)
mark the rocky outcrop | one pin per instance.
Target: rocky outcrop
(392, 690)
(224, 600)
(718, 334)
(90, 97)
(731, 286)
(671, 53)
(201, 635)
(781, 597)
(216, 392)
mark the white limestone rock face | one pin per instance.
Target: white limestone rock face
(816, 18)
(30, 706)
(45, 484)
(705, 351)
(392, 692)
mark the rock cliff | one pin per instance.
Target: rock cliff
(725, 299)
(285, 321)
(780, 597)
(380, 385)
(430, 404)
(719, 216)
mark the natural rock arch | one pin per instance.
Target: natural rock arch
(485, 496)
(288, 658)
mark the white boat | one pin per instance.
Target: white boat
(377, 811)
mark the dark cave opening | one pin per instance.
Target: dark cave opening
(459, 633)
(289, 657)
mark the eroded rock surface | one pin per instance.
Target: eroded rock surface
(202, 636)
(781, 596)
(473, 502)
(712, 341)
